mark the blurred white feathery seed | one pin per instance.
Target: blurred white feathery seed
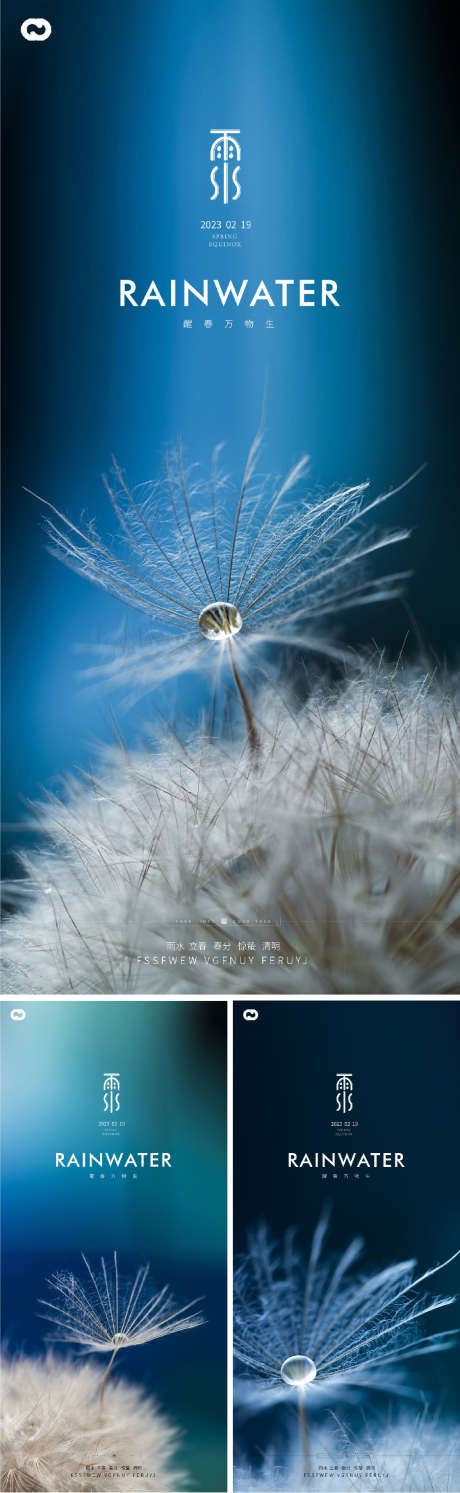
(405, 1451)
(281, 1468)
(107, 1313)
(410, 1452)
(55, 1436)
(314, 1327)
(342, 838)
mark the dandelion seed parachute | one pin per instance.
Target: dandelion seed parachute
(55, 1436)
(244, 570)
(345, 841)
(349, 1327)
(105, 1312)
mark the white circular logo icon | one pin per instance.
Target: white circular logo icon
(250, 1014)
(17, 1014)
(36, 29)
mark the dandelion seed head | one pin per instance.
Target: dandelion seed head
(345, 842)
(55, 1434)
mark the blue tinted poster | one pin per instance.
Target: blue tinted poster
(114, 1245)
(347, 1246)
(230, 499)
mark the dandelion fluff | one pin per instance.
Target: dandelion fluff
(313, 1327)
(56, 1436)
(343, 840)
(404, 1450)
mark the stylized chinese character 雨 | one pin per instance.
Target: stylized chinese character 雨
(111, 1091)
(225, 149)
(344, 1088)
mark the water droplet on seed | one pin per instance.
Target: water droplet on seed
(220, 620)
(298, 1370)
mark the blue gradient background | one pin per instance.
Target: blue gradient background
(348, 152)
(171, 1058)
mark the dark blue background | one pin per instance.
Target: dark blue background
(404, 1061)
(348, 131)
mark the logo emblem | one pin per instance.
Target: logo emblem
(36, 29)
(344, 1089)
(17, 1014)
(250, 1015)
(111, 1092)
(225, 150)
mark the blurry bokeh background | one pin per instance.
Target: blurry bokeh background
(171, 1057)
(404, 1062)
(347, 123)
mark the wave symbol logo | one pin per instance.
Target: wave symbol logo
(36, 29)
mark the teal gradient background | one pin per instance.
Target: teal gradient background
(171, 1058)
(347, 118)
